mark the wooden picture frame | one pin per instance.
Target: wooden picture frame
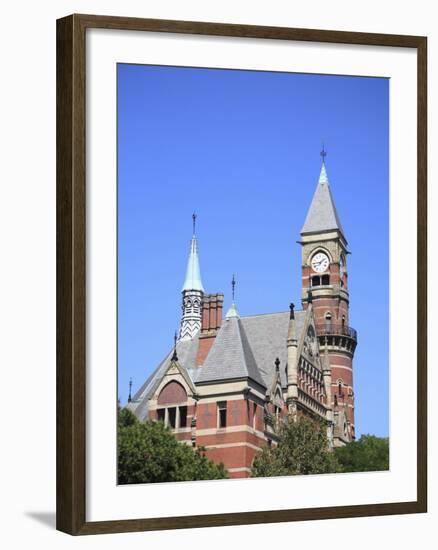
(71, 273)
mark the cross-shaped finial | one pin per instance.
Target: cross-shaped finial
(277, 364)
(323, 153)
(292, 312)
(130, 388)
(194, 221)
(233, 285)
(175, 339)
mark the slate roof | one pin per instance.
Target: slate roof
(267, 335)
(186, 351)
(322, 214)
(230, 356)
(245, 347)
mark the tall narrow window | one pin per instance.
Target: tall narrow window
(161, 415)
(254, 416)
(222, 414)
(182, 417)
(172, 417)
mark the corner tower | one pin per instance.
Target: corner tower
(192, 292)
(325, 284)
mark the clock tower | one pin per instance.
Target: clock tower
(325, 286)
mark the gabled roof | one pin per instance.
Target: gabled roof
(186, 351)
(322, 214)
(230, 356)
(244, 347)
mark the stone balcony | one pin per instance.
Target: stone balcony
(337, 336)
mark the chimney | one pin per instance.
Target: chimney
(212, 305)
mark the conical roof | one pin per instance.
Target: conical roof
(193, 274)
(322, 215)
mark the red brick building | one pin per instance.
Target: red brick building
(230, 380)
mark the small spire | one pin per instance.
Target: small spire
(277, 365)
(292, 311)
(130, 388)
(232, 312)
(175, 339)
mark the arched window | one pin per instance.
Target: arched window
(325, 280)
(316, 280)
(172, 407)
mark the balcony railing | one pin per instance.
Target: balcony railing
(332, 329)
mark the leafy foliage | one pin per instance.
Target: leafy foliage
(148, 452)
(302, 448)
(368, 454)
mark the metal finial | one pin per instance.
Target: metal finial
(175, 339)
(323, 154)
(233, 285)
(194, 216)
(292, 311)
(309, 296)
(130, 388)
(277, 364)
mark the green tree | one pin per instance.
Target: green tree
(148, 452)
(367, 454)
(302, 449)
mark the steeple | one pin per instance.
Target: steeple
(192, 292)
(193, 273)
(322, 215)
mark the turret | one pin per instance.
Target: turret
(192, 292)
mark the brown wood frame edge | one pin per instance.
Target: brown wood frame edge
(71, 232)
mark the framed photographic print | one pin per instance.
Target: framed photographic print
(241, 274)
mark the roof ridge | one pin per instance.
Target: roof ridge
(273, 313)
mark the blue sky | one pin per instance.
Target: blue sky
(241, 148)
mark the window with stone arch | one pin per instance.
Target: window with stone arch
(172, 405)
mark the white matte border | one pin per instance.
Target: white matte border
(106, 500)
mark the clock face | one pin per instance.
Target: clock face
(320, 262)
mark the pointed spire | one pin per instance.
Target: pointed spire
(322, 214)
(130, 389)
(232, 311)
(193, 274)
(175, 339)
